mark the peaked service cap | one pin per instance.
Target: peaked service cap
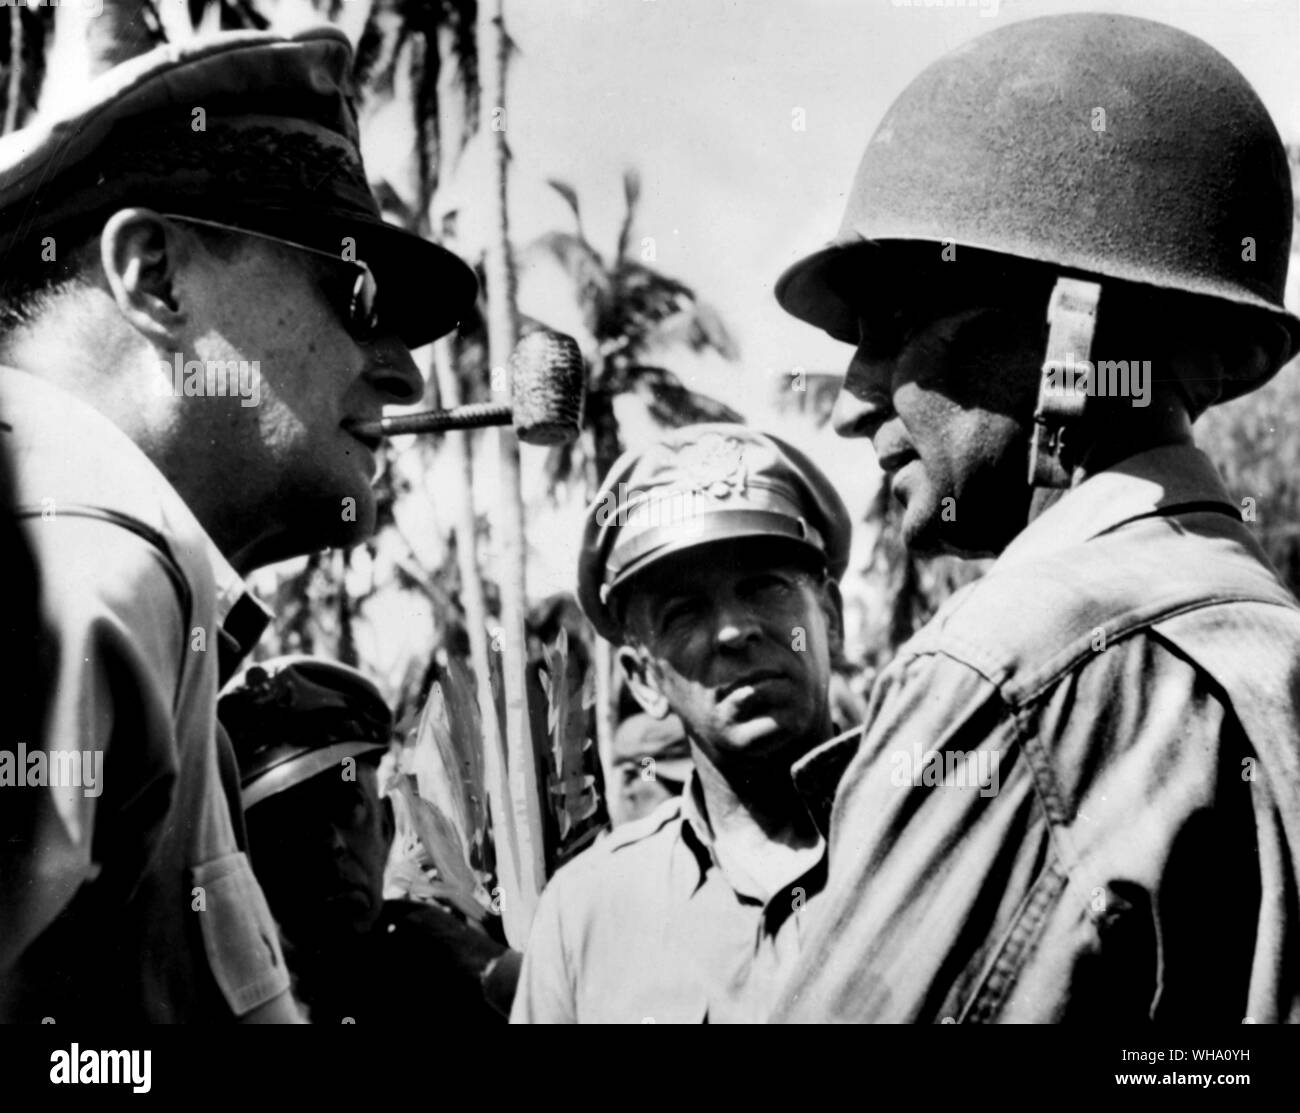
(699, 485)
(291, 718)
(248, 128)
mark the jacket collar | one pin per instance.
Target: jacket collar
(82, 458)
(818, 773)
(1158, 481)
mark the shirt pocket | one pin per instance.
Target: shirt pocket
(239, 934)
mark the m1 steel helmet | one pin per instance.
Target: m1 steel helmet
(1103, 144)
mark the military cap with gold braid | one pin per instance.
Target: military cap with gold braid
(248, 128)
(697, 486)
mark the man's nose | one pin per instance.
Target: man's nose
(864, 402)
(393, 372)
(736, 624)
(338, 842)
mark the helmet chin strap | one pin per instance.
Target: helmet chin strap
(1064, 385)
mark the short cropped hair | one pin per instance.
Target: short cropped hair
(30, 286)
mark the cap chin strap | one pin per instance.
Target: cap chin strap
(1063, 387)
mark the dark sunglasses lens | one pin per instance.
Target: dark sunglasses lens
(362, 312)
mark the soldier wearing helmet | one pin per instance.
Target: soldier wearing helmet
(1077, 749)
(309, 735)
(712, 561)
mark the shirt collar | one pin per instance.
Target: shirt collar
(1157, 481)
(697, 834)
(241, 617)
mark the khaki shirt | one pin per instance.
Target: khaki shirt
(644, 927)
(1077, 792)
(134, 900)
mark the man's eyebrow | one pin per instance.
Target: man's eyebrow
(669, 599)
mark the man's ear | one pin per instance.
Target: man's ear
(643, 680)
(141, 255)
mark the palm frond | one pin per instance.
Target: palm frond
(628, 308)
(631, 201)
(699, 327)
(570, 196)
(570, 788)
(435, 844)
(426, 69)
(643, 299)
(459, 45)
(446, 761)
(375, 65)
(672, 404)
(583, 264)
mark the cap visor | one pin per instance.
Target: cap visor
(718, 529)
(293, 771)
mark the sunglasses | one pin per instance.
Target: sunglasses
(353, 299)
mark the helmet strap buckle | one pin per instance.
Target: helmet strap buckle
(1065, 381)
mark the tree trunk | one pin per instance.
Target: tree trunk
(603, 452)
(527, 851)
(472, 600)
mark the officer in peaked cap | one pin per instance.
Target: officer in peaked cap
(248, 128)
(294, 717)
(199, 302)
(309, 735)
(712, 559)
(1065, 240)
(706, 483)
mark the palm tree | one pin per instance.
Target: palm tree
(514, 795)
(405, 50)
(630, 310)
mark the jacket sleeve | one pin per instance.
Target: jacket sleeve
(113, 632)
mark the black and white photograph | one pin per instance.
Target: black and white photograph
(642, 512)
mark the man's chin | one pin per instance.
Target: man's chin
(760, 738)
(338, 524)
(922, 533)
(932, 537)
(354, 532)
(926, 534)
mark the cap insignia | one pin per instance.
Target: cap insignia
(714, 465)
